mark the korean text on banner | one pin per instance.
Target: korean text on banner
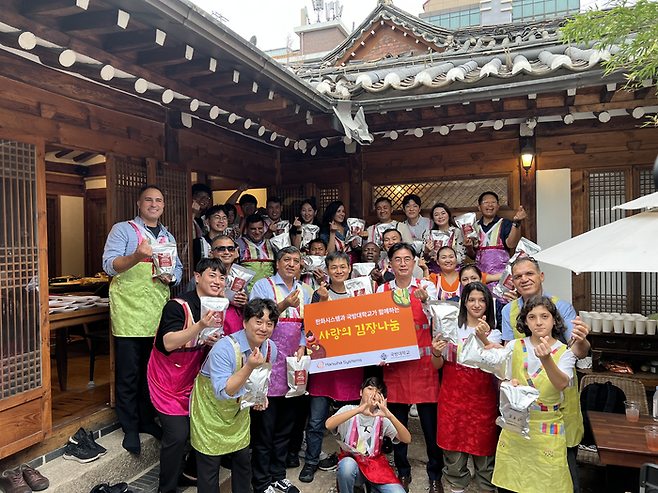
(360, 331)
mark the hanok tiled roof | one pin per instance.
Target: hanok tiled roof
(464, 59)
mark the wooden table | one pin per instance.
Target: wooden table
(60, 322)
(621, 442)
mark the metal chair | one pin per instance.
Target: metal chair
(649, 478)
(633, 389)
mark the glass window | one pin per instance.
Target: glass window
(562, 4)
(516, 12)
(539, 8)
(550, 6)
(527, 11)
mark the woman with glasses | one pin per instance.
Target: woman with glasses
(217, 220)
(414, 382)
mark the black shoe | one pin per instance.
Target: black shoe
(81, 436)
(387, 445)
(292, 461)
(119, 488)
(308, 473)
(80, 452)
(285, 486)
(151, 429)
(329, 463)
(100, 488)
(132, 444)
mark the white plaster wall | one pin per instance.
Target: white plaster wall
(73, 235)
(554, 225)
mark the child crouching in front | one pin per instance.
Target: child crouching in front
(361, 429)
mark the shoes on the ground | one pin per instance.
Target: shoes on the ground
(285, 486)
(405, 480)
(80, 452)
(132, 444)
(436, 486)
(413, 411)
(14, 482)
(308, 473)
(292, 461)
(151, 429)
(82, 437)
(269, 489)
(330, 463)
(183, 480)
(387, 445)
(34, 479)
(119, 488)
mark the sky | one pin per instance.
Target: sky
(272, 20)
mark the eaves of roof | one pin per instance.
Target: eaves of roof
(192, 25)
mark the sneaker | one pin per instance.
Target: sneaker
(292, 461)
(330, 463)
(270, 489)
(13, 482)
(81, 436)
(285, 486)
(119, 488)
(308, 473)
(35, 480)
(80, 452)
(413, 412)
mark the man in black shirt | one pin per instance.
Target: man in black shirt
(175, 361)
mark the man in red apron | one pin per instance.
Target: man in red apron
(136, 302)
(497, 236)
(175, 361)
(414, 382)
(271, 429)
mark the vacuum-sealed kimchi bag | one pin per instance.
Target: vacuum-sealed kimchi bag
(525, 248)
(354, 228)
(359, 286)
(312, 262)
(444, 320)
(297, 375)
(237, 280)
(218, 306)
(515, 405)
(439, 239)
(468, 224)
(474, 355)
(257, 386)
(164, 259)
(309, 233)
(362, 269)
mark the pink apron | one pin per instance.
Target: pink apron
(492, 256)
(170, 378)
(233, 320)
(287, 335)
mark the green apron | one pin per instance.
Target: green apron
(218, 427)
(571, 413)
(538, 465)
(136, 302)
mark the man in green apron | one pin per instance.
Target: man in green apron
(136, 302)
(256, 251)
(218, 425)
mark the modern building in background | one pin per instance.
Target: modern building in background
(455, 14)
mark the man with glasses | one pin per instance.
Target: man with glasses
(201, 200)
(497, 236)
(414, 382)
(217, 222)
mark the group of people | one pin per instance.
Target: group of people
(196, 386)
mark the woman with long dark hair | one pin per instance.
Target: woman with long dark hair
(333, 228)
(442, 220)
(308, 212)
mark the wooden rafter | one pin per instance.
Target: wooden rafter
(134, 40)
(95, 22)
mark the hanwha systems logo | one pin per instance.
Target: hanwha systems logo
(321, 365)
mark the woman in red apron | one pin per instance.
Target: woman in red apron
(467, 405)
(414, 382)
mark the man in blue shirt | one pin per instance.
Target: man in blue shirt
(271, 429)
(136, 302)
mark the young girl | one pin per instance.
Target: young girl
(472, 273)
(361, 429)
(447, 282)
(543, 362)
(467, 403)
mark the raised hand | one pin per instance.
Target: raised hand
(580, 329)
(208, 320)
(292, 300)
(297, 223)
(421, 294)
(255, 359)
(468, 241)
(520, 215)
(144, 250)
(240, 299)
(482, 327)
(333, 226)
(543, 350)
(319, 275)
(510, 295)
(323, 292)
(244, 187)
(438, 345)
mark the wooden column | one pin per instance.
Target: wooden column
(171, 147)
(151, 170)
(356, 184)
(529, 200)
(579, 283)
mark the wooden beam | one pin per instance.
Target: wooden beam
(607, 92)
(121, 42)
(64, 153)
(18, 39)
(641, 93)
(52, 8)
(218, 79)
(84, 156)
(166, 56)
(95, 22)
(193, 68)
(232, 91)
(278, 103)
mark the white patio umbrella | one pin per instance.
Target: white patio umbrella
(626, 245)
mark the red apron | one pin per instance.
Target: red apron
(467, 411)
(414, 382)
(375, 466)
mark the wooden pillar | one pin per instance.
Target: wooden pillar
(356, 184)
(171, 147)
(579, 283)
(151, 170)
(529, 200)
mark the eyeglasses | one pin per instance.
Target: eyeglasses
(221, 249)
(402, 260)
(218, 217)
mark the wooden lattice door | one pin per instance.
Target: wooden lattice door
(24, 354)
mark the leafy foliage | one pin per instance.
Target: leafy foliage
(629, 32)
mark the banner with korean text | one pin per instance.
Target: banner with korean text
(360, 331)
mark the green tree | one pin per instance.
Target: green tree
(629, 31)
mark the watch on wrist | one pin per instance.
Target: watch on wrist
(516, 224)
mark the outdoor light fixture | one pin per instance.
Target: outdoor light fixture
(527, 157)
